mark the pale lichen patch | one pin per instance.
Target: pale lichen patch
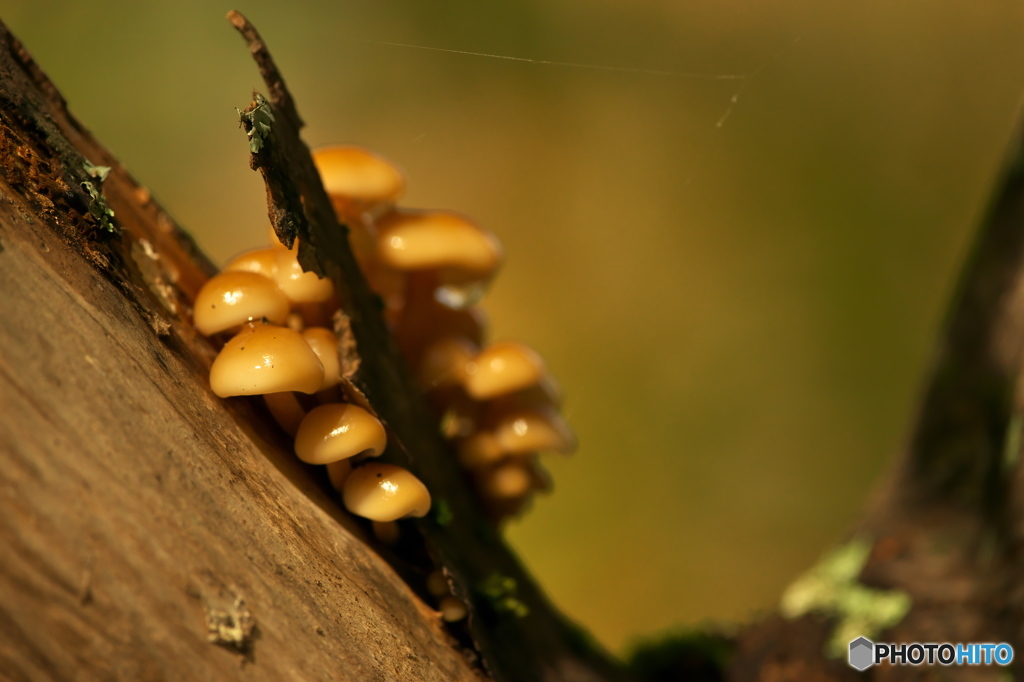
(832, 588)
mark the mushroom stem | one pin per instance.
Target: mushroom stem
(286, 410)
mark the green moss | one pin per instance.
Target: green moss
(500, 592)
(98, 205)
(257, 122)
(443, 513)
(697, 656)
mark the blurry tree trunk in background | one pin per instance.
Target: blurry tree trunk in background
(945, 529)
(150, 531)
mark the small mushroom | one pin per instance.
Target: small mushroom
(357, 180)
(463, 255)
(231, 299)
(536, 429)
(452, 609)
(385, 492)
(502, 368)
(338, 431)
(508, 480)
(262, 359)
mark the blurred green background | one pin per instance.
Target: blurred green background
(740, 314)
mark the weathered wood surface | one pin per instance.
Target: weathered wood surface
(135, 506)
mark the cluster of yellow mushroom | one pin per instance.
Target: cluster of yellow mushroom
(273, 312)
(496, 402)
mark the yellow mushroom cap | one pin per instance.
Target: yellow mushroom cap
(261, 261)
(502, 368)
(452, 609)
(509, 480)
(266, 359)
(422, 240)
(324, 343)
(385, 492)
(338, 431)
(231, 299)
(356, 179)
(298, 285)
(526, 430)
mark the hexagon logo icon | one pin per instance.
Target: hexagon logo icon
(862, 653)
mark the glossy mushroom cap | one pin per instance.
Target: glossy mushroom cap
(261, 261)
(502, 368)
(452, 609)
(508, 480)
(385, 492)
(231, 299)
(464, 256)
(526, 430)
(266, 359)
(297, 284)
(428, 240)
(338, 431)
(357, 180)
